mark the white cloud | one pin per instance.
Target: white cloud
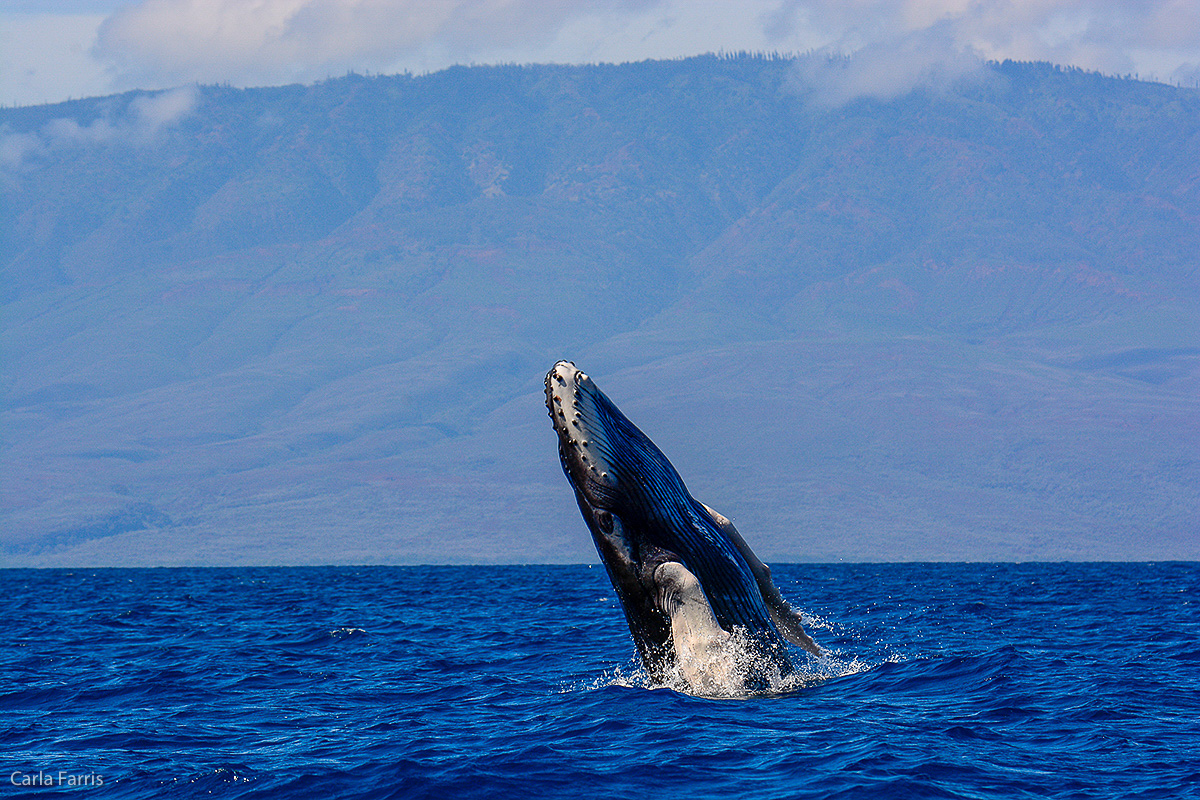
(667, 29)
(16, 147)
(923, 59)
(248, 41)
(138, 123)
(274, 40)
(898, 45)
(161, 43)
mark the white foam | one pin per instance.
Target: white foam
(812, 672)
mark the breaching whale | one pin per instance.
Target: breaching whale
(701, 607)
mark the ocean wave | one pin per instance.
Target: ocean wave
(1051, 681)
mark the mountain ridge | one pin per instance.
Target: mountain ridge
(309, 324)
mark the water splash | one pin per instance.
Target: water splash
(743, 659)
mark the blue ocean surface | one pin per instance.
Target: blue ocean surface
(941, 681)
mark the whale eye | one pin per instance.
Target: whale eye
(604, 520)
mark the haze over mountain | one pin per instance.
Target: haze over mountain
(309, 324)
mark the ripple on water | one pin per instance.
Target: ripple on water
(1055, 681)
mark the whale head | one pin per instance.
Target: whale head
(613, 466)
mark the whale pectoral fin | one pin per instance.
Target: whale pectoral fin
(786, 619)
(681, 598)
(701, 644)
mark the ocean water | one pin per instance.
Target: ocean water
(942, 681)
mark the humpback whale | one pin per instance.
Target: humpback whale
(702, 608)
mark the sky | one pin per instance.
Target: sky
(53, 50)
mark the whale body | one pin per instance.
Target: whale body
(701, 607)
